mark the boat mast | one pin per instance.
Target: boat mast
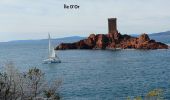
(49, 45)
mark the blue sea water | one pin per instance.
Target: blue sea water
(96, 74)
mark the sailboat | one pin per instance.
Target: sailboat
(52, 57)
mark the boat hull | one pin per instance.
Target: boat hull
(49, 61)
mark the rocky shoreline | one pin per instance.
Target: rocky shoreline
(113, 41)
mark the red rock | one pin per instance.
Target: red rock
(101, 41)
(64, 46)
(143, 38)
(92, 36)
(111, 41)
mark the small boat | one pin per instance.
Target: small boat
(52, 57)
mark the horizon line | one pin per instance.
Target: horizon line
(69, 36)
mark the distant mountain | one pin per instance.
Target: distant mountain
(45, 41)
(160, 33)
(161, 36)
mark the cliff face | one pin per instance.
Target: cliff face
(112, 41)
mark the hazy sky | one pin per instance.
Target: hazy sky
(33, 19)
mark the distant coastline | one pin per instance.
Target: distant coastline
(163, 36)
(160, 36)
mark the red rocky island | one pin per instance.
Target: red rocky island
(113, 40)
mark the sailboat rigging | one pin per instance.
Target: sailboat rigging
(52, 57)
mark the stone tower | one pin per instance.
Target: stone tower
(112, 25)
(113, 32)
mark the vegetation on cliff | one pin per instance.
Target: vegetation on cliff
(30, 85)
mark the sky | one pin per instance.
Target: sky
(33, 19)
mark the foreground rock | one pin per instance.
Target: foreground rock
(113, 41)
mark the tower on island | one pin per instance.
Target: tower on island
(112, 25)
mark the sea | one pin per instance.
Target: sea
(95, 74)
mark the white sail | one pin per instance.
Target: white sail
(53, 53)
